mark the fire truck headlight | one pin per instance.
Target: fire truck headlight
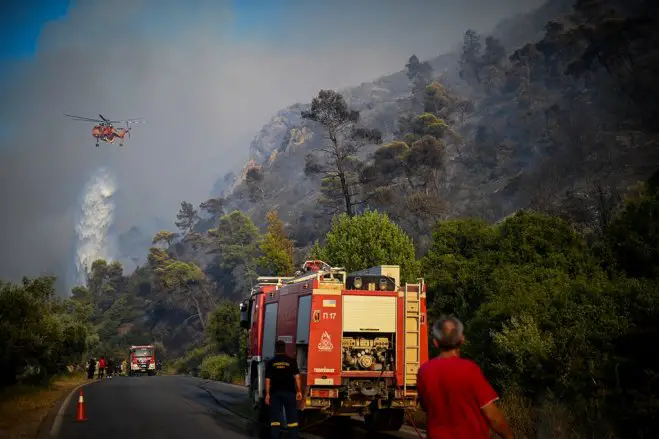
(358, 283)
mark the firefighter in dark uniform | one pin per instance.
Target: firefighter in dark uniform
(283, 388)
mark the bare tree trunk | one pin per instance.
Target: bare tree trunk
(347, 197)
(202, 319)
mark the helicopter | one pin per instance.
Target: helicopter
(104, 129)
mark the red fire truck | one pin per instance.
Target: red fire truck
(142, 360)
(358, 339)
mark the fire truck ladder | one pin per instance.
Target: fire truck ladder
(412, 333)
(321, 271)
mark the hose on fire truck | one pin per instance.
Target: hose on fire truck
(408, 415)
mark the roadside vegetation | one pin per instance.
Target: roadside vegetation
(44, 342)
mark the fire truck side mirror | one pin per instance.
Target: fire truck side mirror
(244, 316)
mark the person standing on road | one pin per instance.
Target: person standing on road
(283, 388)
(101, 367)
(454, 393)
(109, 367)
(91, 368)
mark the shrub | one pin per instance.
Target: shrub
(191, 362)
(221, 368)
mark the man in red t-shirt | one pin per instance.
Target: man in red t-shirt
(454, 393)
(101, 367)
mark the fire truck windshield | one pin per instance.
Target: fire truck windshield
(142, 352)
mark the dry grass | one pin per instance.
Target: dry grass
(238, 381)
(550, 420)
(520, 414)
(23, 407)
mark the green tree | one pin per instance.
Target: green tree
(181, 283)
(40, 332)
(105, 281)
(185, 281)
(214, 206)
(80, 293)
(470, 58)
(340, 167)
(491, 62)
(406, 177)
(631, 241)
(157, 257)
(368, 240)
(633, 236)
(452, 266)
(617, 39)
(164, 237)
(276, 248)
(224, 332)
(236, 245)
(254, 180)
(316, 251)
(420, 74)
(187, 217)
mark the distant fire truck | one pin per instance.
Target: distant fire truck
(358, 338)
(142, 360)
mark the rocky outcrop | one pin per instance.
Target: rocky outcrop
(276, 134)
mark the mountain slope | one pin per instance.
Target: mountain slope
(537, 136)
(279, 148)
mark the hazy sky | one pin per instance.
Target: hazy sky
(206, 74)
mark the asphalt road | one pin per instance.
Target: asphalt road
(176, 407)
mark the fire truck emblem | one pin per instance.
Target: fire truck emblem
(325, 343)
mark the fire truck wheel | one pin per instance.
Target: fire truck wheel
(384, 420)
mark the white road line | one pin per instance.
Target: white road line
(57, 423)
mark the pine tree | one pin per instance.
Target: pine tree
(276, 248)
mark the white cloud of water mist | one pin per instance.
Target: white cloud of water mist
(93, 222)
(204, 88)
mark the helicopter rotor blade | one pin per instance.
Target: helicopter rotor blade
(129, 121)
(104, 119)
(85, 119)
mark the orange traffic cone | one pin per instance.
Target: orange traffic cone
(80, 414)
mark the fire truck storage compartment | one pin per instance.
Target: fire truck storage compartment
(391, 271)
(369, 328)
(269, 330)
(302, 332)
(369, 314)
(368, 351)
